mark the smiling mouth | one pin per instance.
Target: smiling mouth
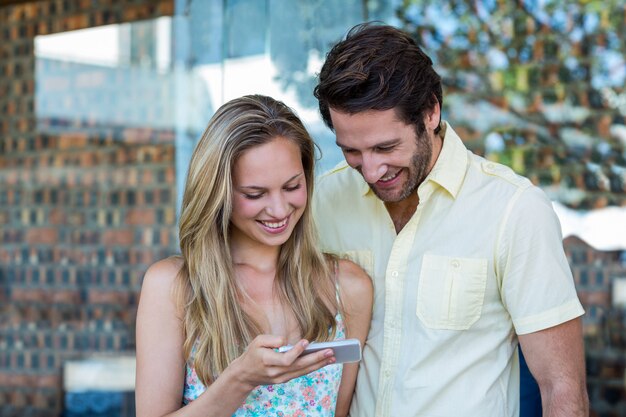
(274, 225)
(389, 178)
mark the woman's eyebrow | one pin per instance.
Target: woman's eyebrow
(256, 187)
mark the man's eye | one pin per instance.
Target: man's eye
(384, 148)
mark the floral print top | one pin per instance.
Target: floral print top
(310, 395)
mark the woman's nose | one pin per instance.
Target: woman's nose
(278, 207)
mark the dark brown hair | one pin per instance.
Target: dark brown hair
(378, 67)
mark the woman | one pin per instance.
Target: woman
(249, 280)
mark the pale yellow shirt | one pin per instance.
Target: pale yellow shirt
(480, 261)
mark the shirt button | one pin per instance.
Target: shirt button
(394, 274)
(387, 374)
(455, 263)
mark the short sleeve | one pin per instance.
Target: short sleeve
(537, 285)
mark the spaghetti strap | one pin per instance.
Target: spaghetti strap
(336, 276)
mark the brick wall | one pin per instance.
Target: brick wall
(594, 272)
(84, 210)
(85, 207)
(604, 326)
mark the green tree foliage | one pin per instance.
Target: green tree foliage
(538, 85)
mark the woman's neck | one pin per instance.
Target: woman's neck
(261, 258)
(255, 266)
(255, 269)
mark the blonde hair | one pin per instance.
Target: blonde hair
(214, 320)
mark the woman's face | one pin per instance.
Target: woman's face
(269, 193)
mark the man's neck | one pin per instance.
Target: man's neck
(401, 211)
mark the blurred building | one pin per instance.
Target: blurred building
(101, 103)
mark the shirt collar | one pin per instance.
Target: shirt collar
(450, 167)
(365, 188)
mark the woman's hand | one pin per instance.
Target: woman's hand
(261, 364)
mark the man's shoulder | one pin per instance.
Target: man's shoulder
(498, 174)
(341, 178)
(504, 187)
(338, 171)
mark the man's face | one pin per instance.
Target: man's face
(385, 150)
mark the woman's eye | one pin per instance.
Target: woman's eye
(292, 188)
(253, 196)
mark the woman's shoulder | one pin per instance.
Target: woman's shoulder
(353, 280)
(165, 269)
(160, 277)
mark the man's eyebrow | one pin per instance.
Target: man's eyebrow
(390, 142)
(342, 146)
(256, 187)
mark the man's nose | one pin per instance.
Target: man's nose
(372, 169)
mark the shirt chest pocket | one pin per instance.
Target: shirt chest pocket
(451, 291)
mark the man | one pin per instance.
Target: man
(466, 256)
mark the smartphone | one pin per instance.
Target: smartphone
(346, 351)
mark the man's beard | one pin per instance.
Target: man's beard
(417, 171)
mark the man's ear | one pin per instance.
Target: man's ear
(433, 117)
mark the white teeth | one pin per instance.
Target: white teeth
(274, 225)
(390, 177)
